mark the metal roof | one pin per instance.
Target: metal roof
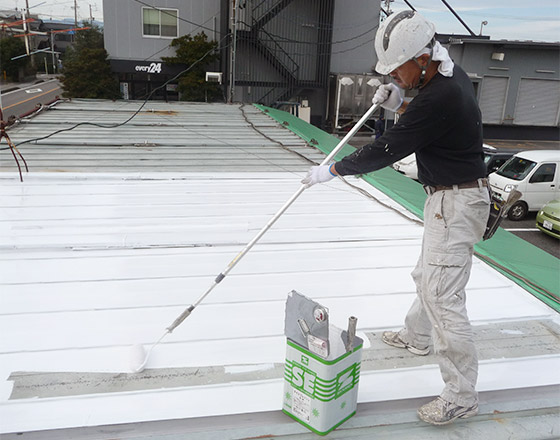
(506, 43)
(115, 231)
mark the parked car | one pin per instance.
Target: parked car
(493, 159)
(535, 173)
(548, 218)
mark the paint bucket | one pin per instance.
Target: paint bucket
(320, 385)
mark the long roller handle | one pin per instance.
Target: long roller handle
(273, 220)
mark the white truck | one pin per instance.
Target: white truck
(535, 174)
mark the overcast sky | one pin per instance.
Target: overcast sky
(537, 20)
(59, 9)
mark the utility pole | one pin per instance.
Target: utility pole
(26, 37)
(90, 15)
(52, 53)
(25, 29)
(76, 13)
(25, 13)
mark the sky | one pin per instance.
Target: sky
(537, 20)
(58, 9)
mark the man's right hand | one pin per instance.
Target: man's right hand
(389, 96)
(318, 174)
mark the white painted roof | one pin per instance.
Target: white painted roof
(98, 255)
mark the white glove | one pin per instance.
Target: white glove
(317, 174)
(389, 96)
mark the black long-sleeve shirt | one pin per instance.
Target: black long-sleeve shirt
(442, 125)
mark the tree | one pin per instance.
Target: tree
(86, 71)
(12, 47)
(189, 51)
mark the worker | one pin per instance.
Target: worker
(442, 125)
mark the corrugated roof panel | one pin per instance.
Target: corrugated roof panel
(93, 262)
(171, 138)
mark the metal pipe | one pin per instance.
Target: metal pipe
(351, 333)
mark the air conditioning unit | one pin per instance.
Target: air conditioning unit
(214, 77)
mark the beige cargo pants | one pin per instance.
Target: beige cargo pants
(454, 220)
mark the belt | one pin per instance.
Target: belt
(479, 183)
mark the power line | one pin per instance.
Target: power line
(134, 114)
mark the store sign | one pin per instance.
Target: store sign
(149, 68)
(142, 67)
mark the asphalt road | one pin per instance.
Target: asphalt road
(21, 101)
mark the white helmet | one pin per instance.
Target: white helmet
(399, 38)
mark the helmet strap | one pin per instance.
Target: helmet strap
(424, 68)
(422, 73)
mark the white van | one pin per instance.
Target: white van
(535, 173)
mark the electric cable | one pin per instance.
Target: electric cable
(290, 40)
(134, 114)
(155, 53)
(541, 290)
(312, 162)
(149, 94)
(350, 49)
(201, 26)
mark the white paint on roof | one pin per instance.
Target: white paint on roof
(92, 263)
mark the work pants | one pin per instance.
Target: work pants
(454, 220)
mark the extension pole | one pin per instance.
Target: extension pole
(273, 220)
(140, 356)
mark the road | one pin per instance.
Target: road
(21, 101)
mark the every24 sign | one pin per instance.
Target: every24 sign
(149, 68)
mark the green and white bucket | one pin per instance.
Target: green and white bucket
(321, 387)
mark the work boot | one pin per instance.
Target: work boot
(394, 339)
(441, 412)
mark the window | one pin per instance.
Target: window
(159, 22)
(545, 173)
(516, 168)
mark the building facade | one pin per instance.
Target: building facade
(517, 85)
(272, 51)
(320, 54)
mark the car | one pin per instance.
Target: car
(493, 159)
(535, 173)
(548, 219)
